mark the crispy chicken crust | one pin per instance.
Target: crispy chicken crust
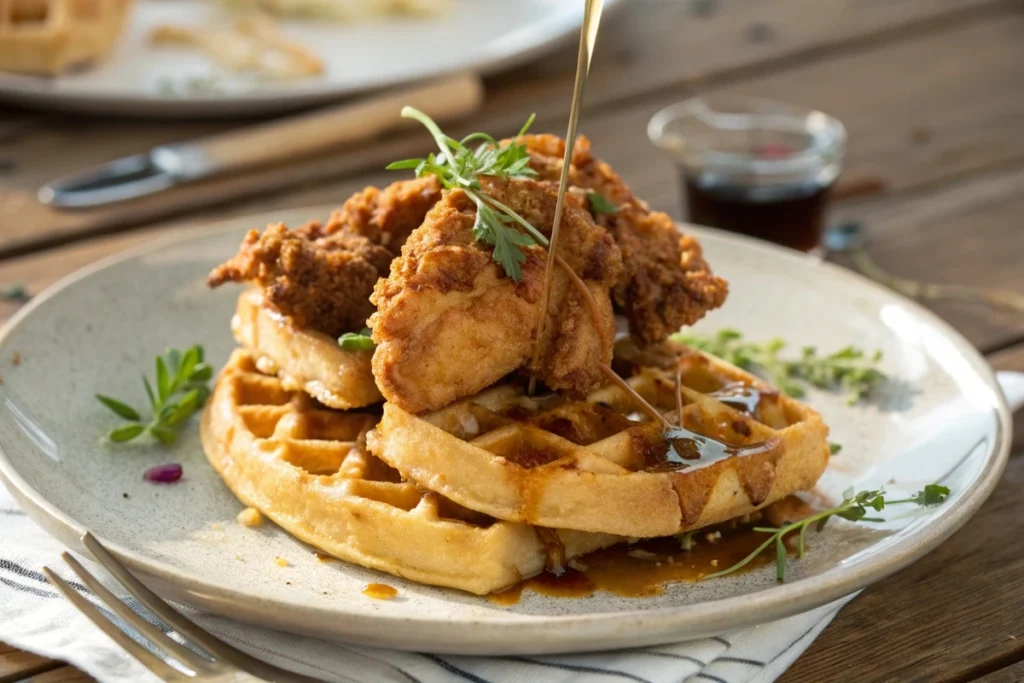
(321, 275)
(450, 323)
(319, 283)
(386, 217)
(667, 283)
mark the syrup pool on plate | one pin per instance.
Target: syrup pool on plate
(643, 569)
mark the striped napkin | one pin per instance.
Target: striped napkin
(35, 617)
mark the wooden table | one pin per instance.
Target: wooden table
(931, 92)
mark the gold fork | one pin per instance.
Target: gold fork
(218, 663)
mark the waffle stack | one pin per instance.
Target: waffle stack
(286, 428)
(499, 486)
(48, 37)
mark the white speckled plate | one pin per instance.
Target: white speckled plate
(139, 79)
(942, 419)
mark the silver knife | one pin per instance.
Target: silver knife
(306, 135)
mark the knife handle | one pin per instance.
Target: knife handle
(310, 134)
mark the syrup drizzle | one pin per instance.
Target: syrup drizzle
(643, 569)
(687, 446)
(380, 591)
(742, 397)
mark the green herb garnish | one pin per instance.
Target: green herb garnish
(849, 368)
(357, 341)
(834, 448)
(600, 204)
(182, 380)
(853, 508)
(459, 166)
(15, 292)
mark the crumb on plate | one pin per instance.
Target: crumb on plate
(250, 517)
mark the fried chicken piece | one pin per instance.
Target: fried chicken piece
(667, 283)
(386, 217)
(321, 275)
(449, 322)
(320, 282)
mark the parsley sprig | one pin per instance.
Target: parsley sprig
(457, 165)
(181, 381)
(848, 368)
(853, 508)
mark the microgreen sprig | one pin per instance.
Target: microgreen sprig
(181, 381)
(849, 368)
(853, 508)
(357, 341)
(601, 204)
(457, 165)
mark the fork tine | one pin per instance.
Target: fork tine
(145, 657)
(152, 633)
(185, 626)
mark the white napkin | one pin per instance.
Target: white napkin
(34, 617)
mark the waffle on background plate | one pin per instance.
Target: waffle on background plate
(519, 484)
(48, 37)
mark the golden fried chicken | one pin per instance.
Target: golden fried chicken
(667, 283)
(318, 282)
(321, 275)
(386, 217)
(449, 321)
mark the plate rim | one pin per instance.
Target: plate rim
(556, 26)
(550, 633)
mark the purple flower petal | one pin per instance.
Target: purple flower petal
(163, 474)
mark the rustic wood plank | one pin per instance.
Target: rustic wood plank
(951, 118)
(1012, 359)
(653, 45)
(960, 232)
(16, 665)
(945, 618)
(1011, 674)
(65, 674)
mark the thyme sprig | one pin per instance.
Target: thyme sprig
(181, 382)
(849, 368)
(457, 165)
(853, 508)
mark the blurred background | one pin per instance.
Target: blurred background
(917, 102)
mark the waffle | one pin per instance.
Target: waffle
(306, 468)
(46, 37)
(304, 360)
(600, 466)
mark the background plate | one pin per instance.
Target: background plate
(478, 35)
(941, 419)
